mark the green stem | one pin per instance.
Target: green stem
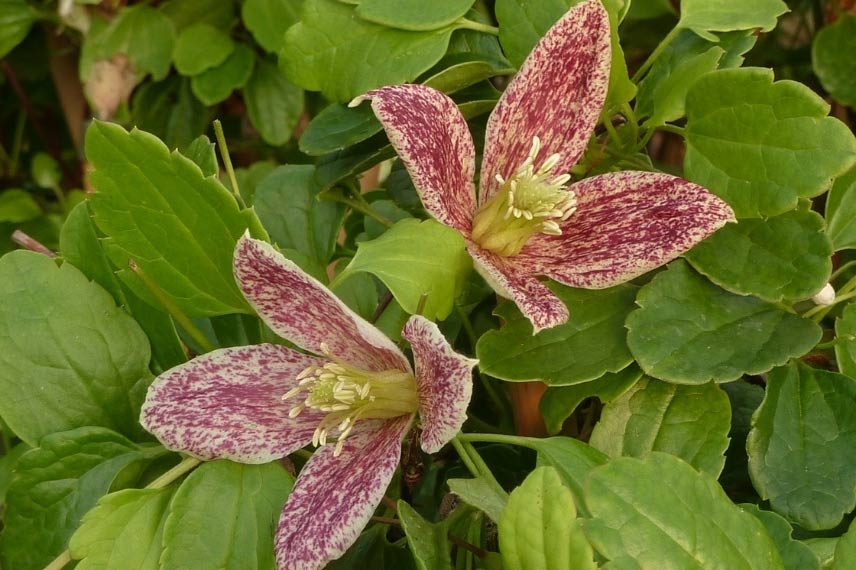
(517, 440)
(672, 129)
(60, 561)
(819, 312)
(465, 457)
(187, 464)
(610, 129)
(477, 26)
(363, 207)
(483, 468)
(837, 273)
(834, 342)
(17, 143)
(655, 54)
(227, 162)
(339, 279)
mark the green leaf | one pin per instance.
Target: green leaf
(761, 145)
(428, 542)
(169, 110)
(795, 554)
(372, 550)
(539, 526)
(338, 127)
(274, 104)
(414, 15)
(845, 550)
(57, 484)
(201, 151)
(7, 469)
(18, 206)
(559, 402)
(199, 47)
(216, 84)
(704, 16)
(68, 356)
(332, 51)
(269, 19)
(158, 209)
(287, 203)
(480, 494)
(831, 57)
(824, 549)
(787, 256)
(845, 348)
(572, 458)
(249, 178)
(454, 72)
(690, 422)
(841, 211)
(591, 343)
(410, 271)
(352, 161)
(124, 530)
(800, 443)
(223, 516)
(16, 19)
(689, 331)
(45, 170)
(661, 514)
(745, 399)
(215, 13)
(142, 33)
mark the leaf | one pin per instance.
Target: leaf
(761, 145)
(287, 203)
(212, 12)
(841, 211)
(830, 58)
(414, 15)
(456, 71)
(845, 347)
(745, 399)
(57, 484)
(124, 530)
(148, 201)
(845, 550)
(428, 542)
(372, 550)
(338, 127)
(201, 151)
(16, 19)
(337, 166)
(559, 402)
(68, 356)
(223, 516)
(539, 528)
(437, 272)
(795, 554)
(590, 344)
(214, 85)
(690, 422)
(704, 16)
(689, 331)
(269, 19)
(142, 33)
(18, 206)
(661, 514)
(248, 178)
(787, 256)
(480, 494)
(169, 110)
(332, 51)
(274, 104)
(572, 458)
(201, 46)
(799, 446)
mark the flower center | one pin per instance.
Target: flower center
(348, 394)
(531, 201)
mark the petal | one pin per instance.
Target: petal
(533, 298)
(434, 143)
(228, 404)
(626, 224)
(299, 308)
(444, 379)
(335, 497)
(557, 95)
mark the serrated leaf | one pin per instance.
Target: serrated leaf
(591, 343)
(845, 550)
(831, 58)
(18, 206)
(268, 20)
(690, 422)
(661, 514)
(795, 554)
(223, 516)
(799, 446)
(539, 528)
(841, 211)
(333, 51)
(142, 33)
(201, 151)
(414, 15)
(704, 16)
(216, 84)
(169, 110)
(761, 145)
(158, 209)
(689, 331)
(438, 272)
(68, 356)
(428, 542)
(201, 46)
(338, 127)
(274, 104)
(787, 256)
(16, 19)
(480, 494)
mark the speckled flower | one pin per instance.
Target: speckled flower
(354, 394)
(527, 221)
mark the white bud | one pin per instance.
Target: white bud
(825, 296)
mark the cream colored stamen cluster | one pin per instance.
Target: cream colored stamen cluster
(532, 200)
(348, 394)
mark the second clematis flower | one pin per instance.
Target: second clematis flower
(353, 393)
(526, 221)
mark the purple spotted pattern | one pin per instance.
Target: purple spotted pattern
(335, 497)
(228, 404)
(444, 381)
(626, 223)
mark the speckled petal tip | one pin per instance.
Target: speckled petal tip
(300, 309)
(228, 404)
(444, 379)
(626, 224)
(557, 95)
(335, 497)
(434, 143)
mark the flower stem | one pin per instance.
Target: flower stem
(465, 457)
(475, 464)
(477, 26)
(518, 440)
(656, 53)
(227, 162)
(186, 465)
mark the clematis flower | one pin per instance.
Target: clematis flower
(526, 220)
(355, 396)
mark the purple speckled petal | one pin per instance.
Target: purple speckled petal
(228, 404)
(533, 298)
(626, 224)
(444, 379)
(557, 95)
(299, 308)
(431, 137)
(335, 497)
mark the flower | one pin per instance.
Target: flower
(526, 221)
(355, 396)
